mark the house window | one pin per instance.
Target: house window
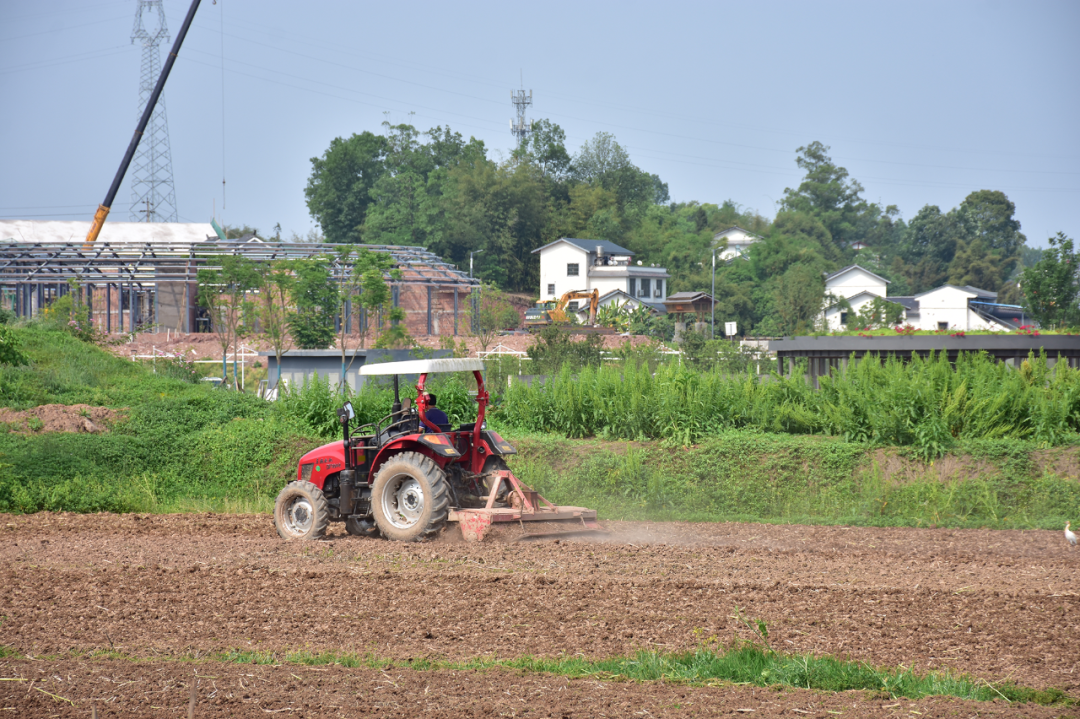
(633, 287)
(571, 269)
(645, 287)
(659, 292)
(843, 318)
(943, 326)
(551, 289)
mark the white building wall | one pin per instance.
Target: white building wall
(607, 284)
(737, 242)
(553, 262)
(832, 315)
(948, 305)
(853, 282)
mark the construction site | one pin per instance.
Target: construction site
(139, 276)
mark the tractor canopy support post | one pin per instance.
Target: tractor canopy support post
(481, 410)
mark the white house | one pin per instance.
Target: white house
(738, 241)
(960, 308)
(857, 285)
(945, 308)
(571, 264)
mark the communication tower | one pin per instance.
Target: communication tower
(153, 195)
(521, 127)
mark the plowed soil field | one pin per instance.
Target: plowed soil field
(999, 605)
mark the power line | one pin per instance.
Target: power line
(591, 101)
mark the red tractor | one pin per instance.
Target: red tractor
(406, 476)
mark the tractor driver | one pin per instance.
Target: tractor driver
(434, 414)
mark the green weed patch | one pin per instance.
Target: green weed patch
(746, 663)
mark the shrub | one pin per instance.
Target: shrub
(10, 344)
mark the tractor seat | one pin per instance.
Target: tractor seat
(467, 427)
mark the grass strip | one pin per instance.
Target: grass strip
(747, 664)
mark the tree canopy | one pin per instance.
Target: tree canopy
(439, 190)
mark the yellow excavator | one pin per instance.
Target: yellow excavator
(554, 312)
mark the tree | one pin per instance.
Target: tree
(797, 299)
(339, 190)
(276, 282)
(359, 276)
(929, 247)
(603, 161)
(396, 334)
(1051, 287)
(828, 193)
(491, 311)
(316, 299)
(975, 266)
(224, 294)
(988, 218)
(374, 294)
(546, 145)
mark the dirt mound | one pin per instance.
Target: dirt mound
(59, 418)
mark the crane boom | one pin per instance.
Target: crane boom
(103, 208)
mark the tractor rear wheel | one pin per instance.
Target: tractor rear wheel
(301, 511)
(410, 498)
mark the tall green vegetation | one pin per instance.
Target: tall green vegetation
(926, 404)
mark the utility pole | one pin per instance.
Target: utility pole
(520, 127)
(471, 253)
(712, 331)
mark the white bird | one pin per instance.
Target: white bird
(1069, 536)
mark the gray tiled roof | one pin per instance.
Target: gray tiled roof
(610, 248)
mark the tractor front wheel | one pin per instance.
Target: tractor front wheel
(301, 511)
(410, 499)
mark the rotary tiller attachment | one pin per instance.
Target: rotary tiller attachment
(526, 505)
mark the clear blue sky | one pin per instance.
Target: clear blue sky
(923, 102)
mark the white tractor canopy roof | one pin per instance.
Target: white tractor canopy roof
(427, 366)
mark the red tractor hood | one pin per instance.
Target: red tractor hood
(320, 463)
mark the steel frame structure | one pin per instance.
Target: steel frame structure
(31, 272)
